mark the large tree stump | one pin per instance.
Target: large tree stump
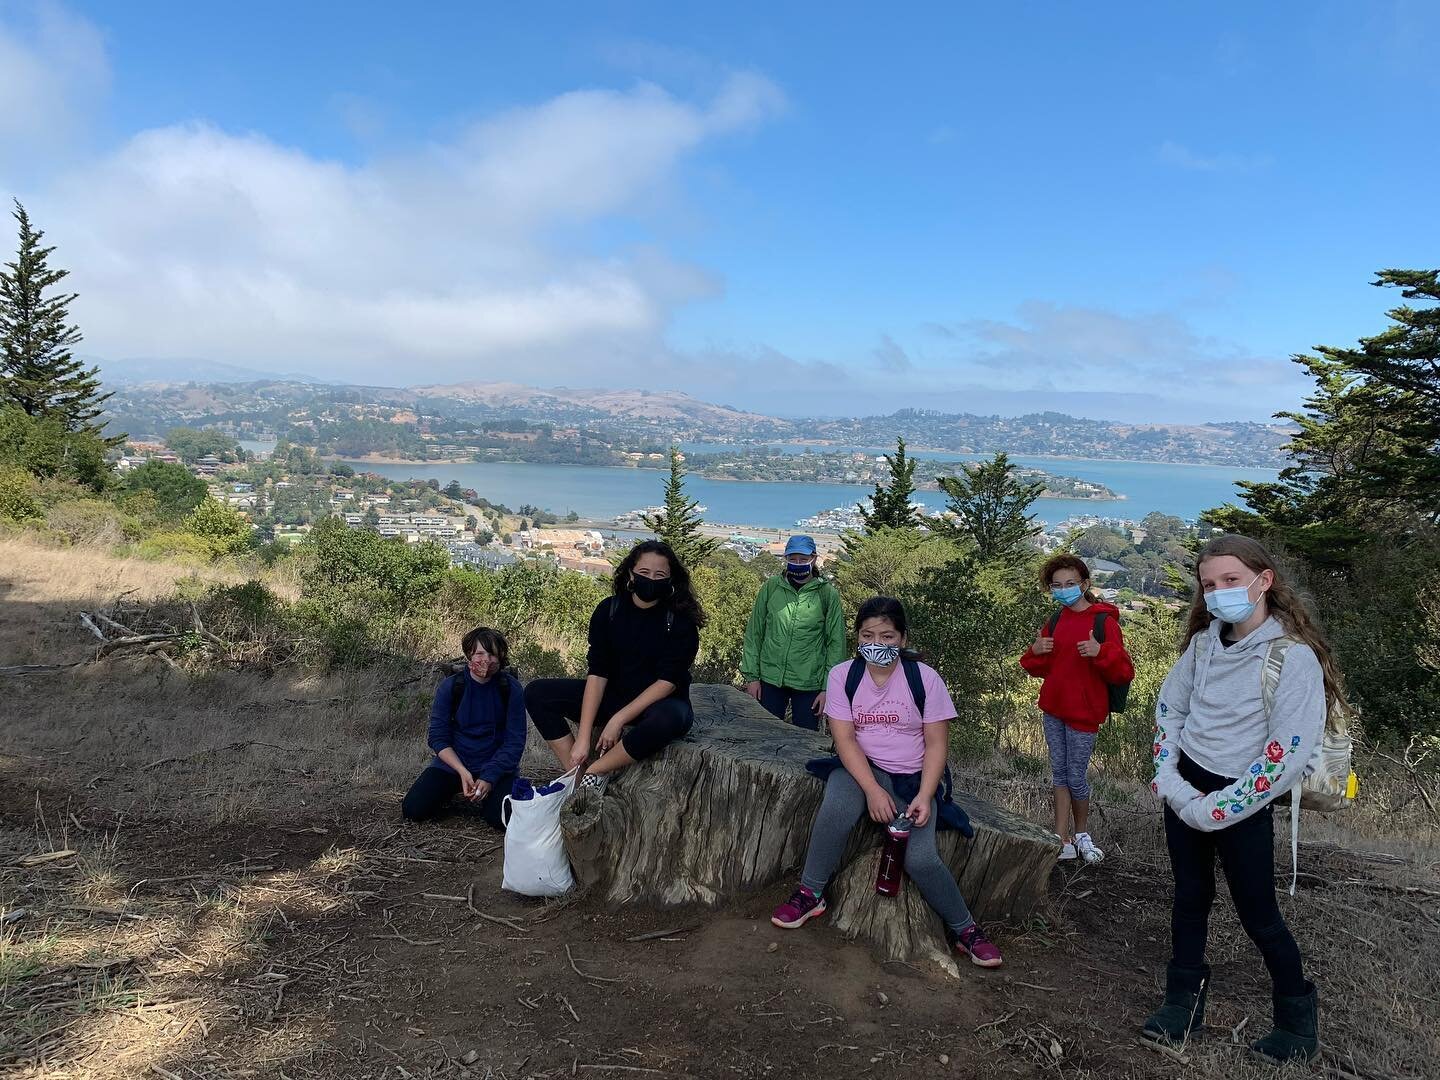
(728, 810)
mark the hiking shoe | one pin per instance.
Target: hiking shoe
(802, 906)
(595, 782)
(973, 943)
(1296, 1036)
(1183, 1010)
(1067, 853)
(1087, 849)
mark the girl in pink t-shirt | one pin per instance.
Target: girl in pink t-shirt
(892, 755)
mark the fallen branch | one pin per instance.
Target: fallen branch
(1161, 1048)
(36, 669)
(597, 978)
(89, 625)
(469, 899)
(658, 934)
(220, 750)
(45, 857)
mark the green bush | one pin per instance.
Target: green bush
(224, 530)
(17, 496)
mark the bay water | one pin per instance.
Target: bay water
(601, 493)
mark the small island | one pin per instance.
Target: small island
(766, 464)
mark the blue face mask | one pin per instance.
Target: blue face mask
(798, 570)
(1232, 605)
(1067, 596)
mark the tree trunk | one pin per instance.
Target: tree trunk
(728, 810)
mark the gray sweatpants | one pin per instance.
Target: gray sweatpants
(1070, 752)
(843, 805)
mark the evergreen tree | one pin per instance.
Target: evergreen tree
(678, 523)
(890, 505)
(1366, 458)
(992, 509)
(38, 371)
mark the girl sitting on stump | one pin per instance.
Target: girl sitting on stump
(477, 731)
(643, 641)
(890, 720)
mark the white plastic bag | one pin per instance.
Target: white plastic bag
(535, 859)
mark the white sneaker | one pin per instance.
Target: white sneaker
(1088, 851)
(1067, 853)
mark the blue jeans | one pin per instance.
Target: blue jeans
(802, 704)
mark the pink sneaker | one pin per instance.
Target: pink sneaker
(802, 906)
(973, 943)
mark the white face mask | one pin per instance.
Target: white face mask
(1233, 605)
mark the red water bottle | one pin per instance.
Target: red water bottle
(892, 856)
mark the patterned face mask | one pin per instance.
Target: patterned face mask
(880, 655)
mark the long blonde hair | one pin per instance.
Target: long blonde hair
(1281, 601)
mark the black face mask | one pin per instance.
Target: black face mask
(651, 589)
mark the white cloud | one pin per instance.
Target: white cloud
(442, 261)
(1155, 357)
(52, 69)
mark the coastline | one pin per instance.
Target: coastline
(375, 459)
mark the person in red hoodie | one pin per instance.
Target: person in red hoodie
(1075, 697)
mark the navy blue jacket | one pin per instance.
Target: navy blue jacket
(489, 744)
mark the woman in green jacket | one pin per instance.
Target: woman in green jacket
(795, 635)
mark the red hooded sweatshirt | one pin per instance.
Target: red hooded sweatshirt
(1075, 686)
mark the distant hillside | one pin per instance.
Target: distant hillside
(650, 418)
(651, 406)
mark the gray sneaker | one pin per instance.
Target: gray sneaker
(595, 782)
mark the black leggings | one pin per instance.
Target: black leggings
(1247, 855)
(552, 703)
(433, 795)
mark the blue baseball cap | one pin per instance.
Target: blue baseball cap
(800, 544)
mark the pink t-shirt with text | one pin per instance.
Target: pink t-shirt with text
(888, 727)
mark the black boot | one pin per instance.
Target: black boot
(1184, 1008)
(1297, 1030)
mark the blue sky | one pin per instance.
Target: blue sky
(1134, 211)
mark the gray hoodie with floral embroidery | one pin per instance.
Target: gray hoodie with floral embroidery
(1211, 707)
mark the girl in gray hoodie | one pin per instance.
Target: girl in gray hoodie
(1221, 760)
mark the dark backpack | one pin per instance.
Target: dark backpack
(615, 610)
(912, 676)
(1118, 692)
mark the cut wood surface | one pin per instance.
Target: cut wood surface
(728, 810)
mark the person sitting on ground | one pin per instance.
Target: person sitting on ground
(891, 753)
(477, 732)
(643, 641)
(1075, 696)
(795, 635)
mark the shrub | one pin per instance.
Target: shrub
(223, 529)
(92, 522)
(17, 496)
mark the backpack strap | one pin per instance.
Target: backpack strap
(1099, 631)
(1270, 672)
(1053, 622)
(852, 679)
(912, 676)
(917, 683)
(457, 695)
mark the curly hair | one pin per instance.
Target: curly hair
(1066, 561)
(682, 598)
(1282, 601)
